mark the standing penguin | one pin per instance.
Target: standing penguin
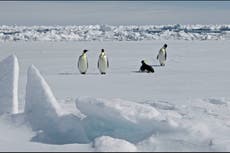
(103, 62)
(83, 62)
(162, 55)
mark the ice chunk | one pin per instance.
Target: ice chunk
(9, 74)
(120, 119)
(46, 116)
(131, 111)
(109, 144)
(40, 101)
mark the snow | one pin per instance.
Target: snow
(130, 111)
(46, 116)
(37, 87)
(109, 144)
(118, 118)
(117, 33)
(17, 137)
(183, 106)
(9, 75)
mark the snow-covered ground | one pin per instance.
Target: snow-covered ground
(183, 106)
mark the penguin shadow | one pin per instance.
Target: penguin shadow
(156, 65)
(75, 73)
(137, 72)
(140, 72)
(67, 73)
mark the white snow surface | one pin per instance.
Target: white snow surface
(109, 144)
(9, 75)
(183, 106)
(114, 33)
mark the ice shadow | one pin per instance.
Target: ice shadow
(67, 129)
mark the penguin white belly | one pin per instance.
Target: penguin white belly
(102, 64)
(82, 65)
(162, 59)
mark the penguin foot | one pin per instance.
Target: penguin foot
(83, 73)
(103, 73)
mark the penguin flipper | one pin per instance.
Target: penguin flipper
(78, 61)
(107, 62)
(157, 56)
(165, 55)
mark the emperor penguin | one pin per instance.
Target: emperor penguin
(146, 68)
(103, 62)
(162, 55)
(83, 62)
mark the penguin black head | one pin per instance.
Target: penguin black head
(102, 50)
(143, 62)
(85, 50)
(165, 45)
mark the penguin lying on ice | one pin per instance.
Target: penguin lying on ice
(145, 67)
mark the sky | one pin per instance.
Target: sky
(113, 12)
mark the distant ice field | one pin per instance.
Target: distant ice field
(105, 32)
